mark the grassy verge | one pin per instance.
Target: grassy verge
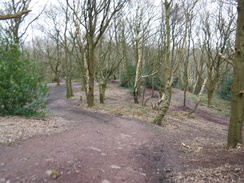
(219, 105)
(132, 111)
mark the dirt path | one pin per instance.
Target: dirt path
(98, 148)
(101, 148)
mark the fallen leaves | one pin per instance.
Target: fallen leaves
(226, 173)
(19, 128)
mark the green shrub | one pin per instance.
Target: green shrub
(156, 82)
(177, 83)
(224, 91)
(21, 90)
(124, 80)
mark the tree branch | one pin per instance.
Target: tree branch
(15, 15)
(226, 59)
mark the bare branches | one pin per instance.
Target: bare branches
(15, 15)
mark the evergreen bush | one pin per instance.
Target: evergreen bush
(156, 81)
(124, 82)
(21, 90)
(225, 91)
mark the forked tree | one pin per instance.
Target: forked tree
(217, 38)
(95, 16)
(172, 57)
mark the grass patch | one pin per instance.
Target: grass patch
(132, 111)
(219, 105)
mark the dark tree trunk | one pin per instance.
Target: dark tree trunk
(237, 102)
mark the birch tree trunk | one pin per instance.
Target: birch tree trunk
(199, 97)
(138, 66)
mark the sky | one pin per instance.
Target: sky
(37, 6)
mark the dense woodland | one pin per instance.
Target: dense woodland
(189, 44)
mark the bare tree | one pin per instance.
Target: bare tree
(186, 46)
(48, 53)
(61, 32)
(217, 40)
(17, 11)
(140, 32)
(108, 62)
(172, 55)
(95, 16)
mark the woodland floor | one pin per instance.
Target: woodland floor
(116, 143)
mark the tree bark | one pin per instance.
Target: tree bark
(198, 85)
(237, 102)
(68, 64)
(102, 89)
(199, 97)
(137, 80)
(91, 73)
(164, 108)
(125, 55)
(210, 95)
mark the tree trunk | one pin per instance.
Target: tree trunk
(168, 77)
(152, 87)
(124, 48)
(56, 79)
(184, 101)
(237, 102)
(83, 72)
(199, 97)
(210, 96)
(164, 108)
(198, 85)
(138, 66)
(91, 66)
(135, 93)
(102, 89)
(161, 89)
(69, 90)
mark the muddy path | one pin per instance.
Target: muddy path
(97, 148)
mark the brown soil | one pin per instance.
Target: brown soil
(92, 147)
